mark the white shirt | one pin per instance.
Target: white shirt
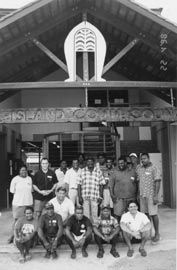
(65, 209)
(71, 177)
(22, 190)
(136, 222)
(60, 177)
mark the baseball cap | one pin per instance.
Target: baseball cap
(105, 207)
(49, 206)
(133, 155)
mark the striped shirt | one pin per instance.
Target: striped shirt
(90, 182)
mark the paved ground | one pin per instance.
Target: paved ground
(160, 257)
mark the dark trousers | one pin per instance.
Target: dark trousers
(100, 241)
(24, 247)
(50, 240)
(86, 243)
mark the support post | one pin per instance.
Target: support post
(61, 147)
(82, 143)
(46, 147)
(118, 152)
(104, 143)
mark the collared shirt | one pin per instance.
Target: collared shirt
(78, 227)
(90, 182)
(60, 177)
(44, 181)
(123, 184)
(135, 223)
(71, 177)
(64, 209)
(147, 176)
(50, 224)
(22, 190)
(106, 226)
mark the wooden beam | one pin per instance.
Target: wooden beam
(41, 28)
(71, 85)
(149, 14)
(19, 60)
(131, 30)
(20, 13)
(7, 95)
(120, 54)
(89, 114)
(50, 54)
(160, 95)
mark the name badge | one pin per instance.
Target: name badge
(147, 173)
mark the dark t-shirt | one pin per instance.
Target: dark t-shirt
(78, 227)
(50, 225)
(44, 181)
(123, 184)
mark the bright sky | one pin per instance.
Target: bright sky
(169, 6)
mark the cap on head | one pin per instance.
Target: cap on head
(49, 206)
(105, 207)
(133, 155)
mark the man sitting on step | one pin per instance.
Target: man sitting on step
(106, 229)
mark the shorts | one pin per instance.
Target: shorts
(120, 206)
(147, 206)
(145, 234)
(18, 211)
(39, 205)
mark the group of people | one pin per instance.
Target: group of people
(91, 198)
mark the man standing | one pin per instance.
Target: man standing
(62, 205)
(78, 232)
(60, 173)
(149, 185)
(44, 183)
(106, 229)
(134, 160)
(123, 187)
(107, 200)
(135, 224)
(25, 230)
(50, 231)
(70, 180)
(90, 189)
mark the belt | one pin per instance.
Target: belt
(73, 188)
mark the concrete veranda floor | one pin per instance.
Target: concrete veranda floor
(160, 256)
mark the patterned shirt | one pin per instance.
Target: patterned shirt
(90, 182)
(106, 226)
(147, 177)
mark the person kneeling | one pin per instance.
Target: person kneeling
(106, 229)
(50, 231)
(78, 232)
(135, 224)
(25, 230)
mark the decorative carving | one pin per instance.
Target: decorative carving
(48, 115)
(85, 37)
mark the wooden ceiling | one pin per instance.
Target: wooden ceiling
(120, 21)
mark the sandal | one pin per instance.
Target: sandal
(130, 252)
(100, 253)
(143, 252)
(114, 253)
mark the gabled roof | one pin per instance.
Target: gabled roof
(120, 21)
